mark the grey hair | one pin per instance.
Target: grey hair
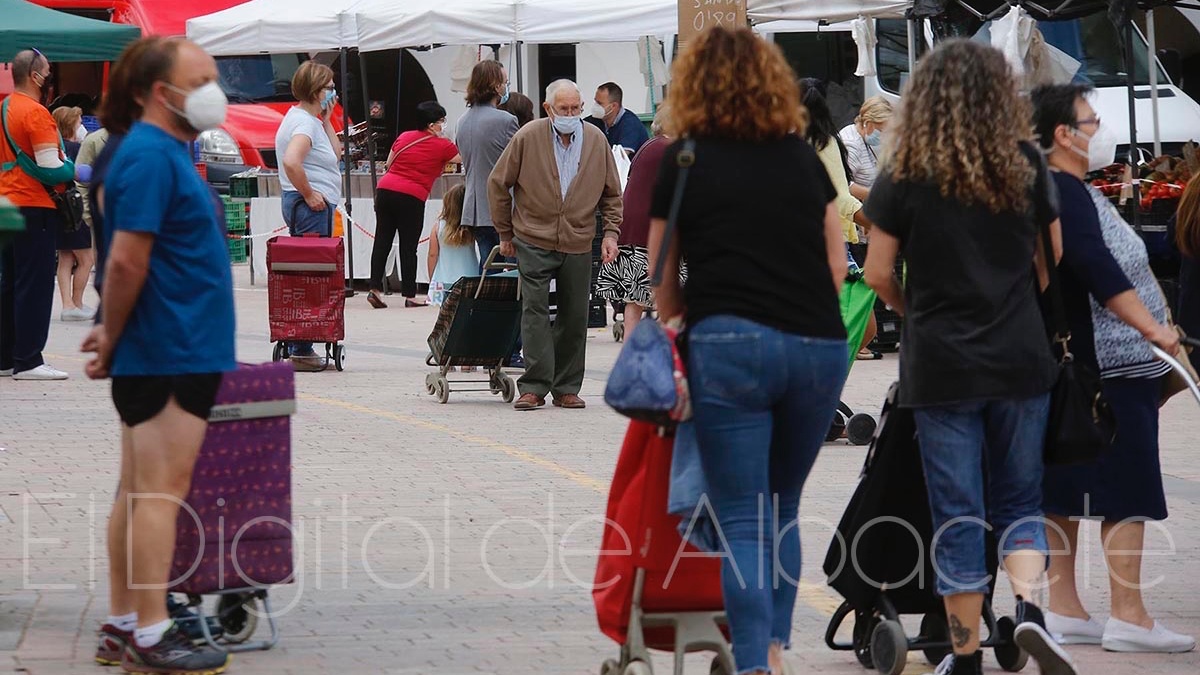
(559, 85)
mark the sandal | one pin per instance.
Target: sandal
(409, 302)
(376, 301)
(868, 355)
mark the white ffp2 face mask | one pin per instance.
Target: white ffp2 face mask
(1102, 147)
(204, 107)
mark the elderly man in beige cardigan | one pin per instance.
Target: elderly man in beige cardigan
(544, 193)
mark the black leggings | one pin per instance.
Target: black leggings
(397, 213)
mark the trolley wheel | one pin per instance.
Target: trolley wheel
(935, 629)
(618, 330)
(441, 389)
(718, 668)
(339, 357)
(238, 616)
(864, 625)
(837, 427)
(638, 668)
(277, 354)
(1009, 655)
(860, 428)
(610, 667)
(430, 380)
(508, 389)
(889, 647)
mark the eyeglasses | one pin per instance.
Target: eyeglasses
(1091, 120)
(329, 87)
(567, 112)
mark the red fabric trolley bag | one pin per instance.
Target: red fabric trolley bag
(645, 596)
(306, 294)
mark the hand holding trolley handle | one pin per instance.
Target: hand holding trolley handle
(1179, 367)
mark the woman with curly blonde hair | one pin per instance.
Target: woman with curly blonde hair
(766, 347)
(964, 196)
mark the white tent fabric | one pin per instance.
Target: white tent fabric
(386, 24)
(833, 11)
(281, 26)
(276, 26)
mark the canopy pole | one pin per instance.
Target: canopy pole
(349, 225)
(1131, 84)
(366, 97)
(518, 62)
(1152, 63)
(913, 26)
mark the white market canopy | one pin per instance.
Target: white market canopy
(282, 26)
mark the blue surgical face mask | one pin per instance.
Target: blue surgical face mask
(330, 94)
(567, 124)
(504, 96)
(874, 139)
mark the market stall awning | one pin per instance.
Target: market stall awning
(58, 35)
(387, 24)
(276, 27)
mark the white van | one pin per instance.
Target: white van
(1092, 42)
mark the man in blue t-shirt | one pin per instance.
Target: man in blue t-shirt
(166, 335)
(620, 125)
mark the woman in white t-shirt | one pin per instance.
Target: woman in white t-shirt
(308, 149)
(863, 139)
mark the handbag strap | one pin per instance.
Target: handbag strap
(1058, 312)
(684, 159)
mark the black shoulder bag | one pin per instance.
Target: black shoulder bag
(1081, 425)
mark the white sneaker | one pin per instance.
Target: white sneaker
(1068, 630)
(7, 372)
(77, 314)
(1051, 658)
(1120, 636)
(42, 372)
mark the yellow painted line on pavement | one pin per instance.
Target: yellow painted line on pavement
(813, 595)
(516, 453)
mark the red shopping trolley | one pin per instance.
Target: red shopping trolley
(306, 295)
(646, 596)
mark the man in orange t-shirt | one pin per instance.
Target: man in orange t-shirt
(27, 263)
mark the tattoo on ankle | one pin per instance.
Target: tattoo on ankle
(960, 633)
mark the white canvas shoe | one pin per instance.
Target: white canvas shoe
(1068, 630)
(42, 372)
(1120, 636)
(7, 372)
(77, 314)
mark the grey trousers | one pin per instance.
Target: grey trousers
(554, 357)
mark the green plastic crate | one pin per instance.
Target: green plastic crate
(235, 215)
(245, 187)
(237, 251)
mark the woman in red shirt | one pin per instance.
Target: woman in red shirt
(415, 162)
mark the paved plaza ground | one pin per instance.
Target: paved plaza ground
(450, 538)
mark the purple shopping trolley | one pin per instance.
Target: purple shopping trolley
(234, 535)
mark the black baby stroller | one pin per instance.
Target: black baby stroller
(477, 327)
(881, 560)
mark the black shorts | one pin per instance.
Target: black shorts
(139, 398)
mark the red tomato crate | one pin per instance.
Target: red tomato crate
(306, 294)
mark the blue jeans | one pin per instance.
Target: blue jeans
(487, 238)
(763, 401)
(302, 220)
(960, 445)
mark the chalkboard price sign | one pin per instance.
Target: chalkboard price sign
(697, 15)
